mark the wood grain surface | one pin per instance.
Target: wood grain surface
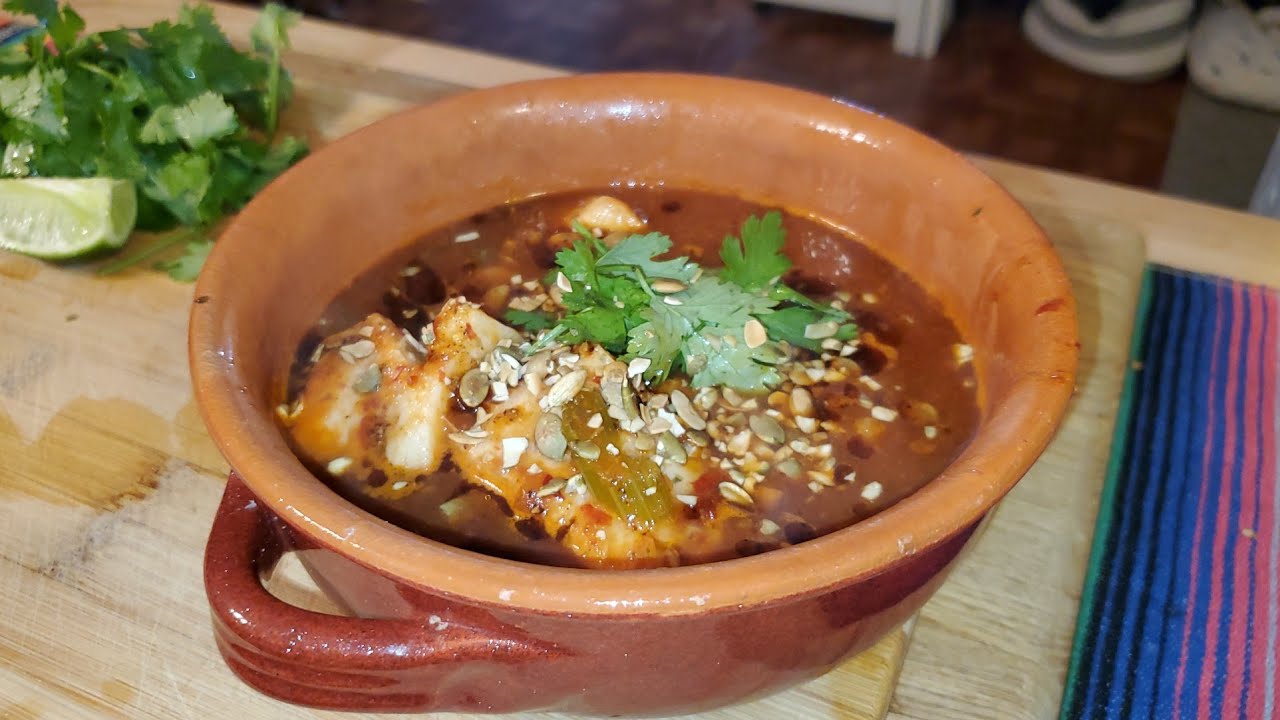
(108, 482)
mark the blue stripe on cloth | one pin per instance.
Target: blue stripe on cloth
(1189, 449)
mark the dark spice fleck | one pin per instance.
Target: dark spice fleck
(532, 528)
(859, 448)
(72, 317)
(798, 532)
(202, 299)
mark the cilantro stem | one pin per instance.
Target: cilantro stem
(155, 249)
(273, 93)
(98, 71)
(546, 339)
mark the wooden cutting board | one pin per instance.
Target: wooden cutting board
(108, 482)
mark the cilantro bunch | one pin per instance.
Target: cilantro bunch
(174, 108)
(698, 329)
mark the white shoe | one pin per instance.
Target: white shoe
(1140, 40)
(1235, 55)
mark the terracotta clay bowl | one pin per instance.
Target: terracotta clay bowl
(438, 628)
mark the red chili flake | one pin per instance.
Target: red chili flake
(595, 515)
(708, 483)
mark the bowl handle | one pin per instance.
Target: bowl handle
(339, 662)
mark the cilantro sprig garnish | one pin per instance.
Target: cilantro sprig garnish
(683, 317)
(174, 108)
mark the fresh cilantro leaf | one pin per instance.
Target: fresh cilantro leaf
(660, 338)
(15, 161)
(180, 185)
(533, 321)
(756, 260)
(205, 118)
(788, 324)
(715, 360)
(187, 266)
(640, 250)
(270, 36)
(612, 302)
(21, 95)
(711, 301)
(173, 107)
(601, 324)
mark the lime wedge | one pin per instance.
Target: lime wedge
(58, 219)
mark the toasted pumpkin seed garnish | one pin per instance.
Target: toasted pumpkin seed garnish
(548, 436)
(820, 330)
(357, 350)
(586, 449)
(699, 438)
(474, 387)
(564, 389)
(754, 333)
(790, 467)
(736, 495)
(551, 488)
(801, 401)
(686, 412)
(465, 439)
(368, 380)
(670, 448)
(638, 366)
(767, 429)
(667, 286)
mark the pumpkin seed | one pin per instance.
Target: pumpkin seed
(667, 285)
(548, 435)
(820, 330)
(552, 487)
(670, 448)
(565, 388)
(638, 366)
(736, 495)
(369, 380)
(801, 402)
(645, 443)
(767, 429)
(465, 439)
(586, 450)
(474, 387)
(612, 380)
(790, 467)
(684, 410)
(754, 333)
(357, 350)
(699, 437)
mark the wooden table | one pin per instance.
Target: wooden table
(108, 481)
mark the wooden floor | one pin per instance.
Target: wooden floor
(987, 91)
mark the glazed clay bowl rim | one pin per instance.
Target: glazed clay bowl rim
(1009, 441)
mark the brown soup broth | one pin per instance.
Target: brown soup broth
(907, 355)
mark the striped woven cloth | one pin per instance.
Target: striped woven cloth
(1179, 613)
(10, 29)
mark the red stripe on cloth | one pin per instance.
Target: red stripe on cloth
(1200, 513)
(1266, 529)
(1243, 571)
(1205, 688)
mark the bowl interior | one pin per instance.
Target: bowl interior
(915, 202)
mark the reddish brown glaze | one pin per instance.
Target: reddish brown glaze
(518, 636)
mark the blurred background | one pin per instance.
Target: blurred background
(1181, 96)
